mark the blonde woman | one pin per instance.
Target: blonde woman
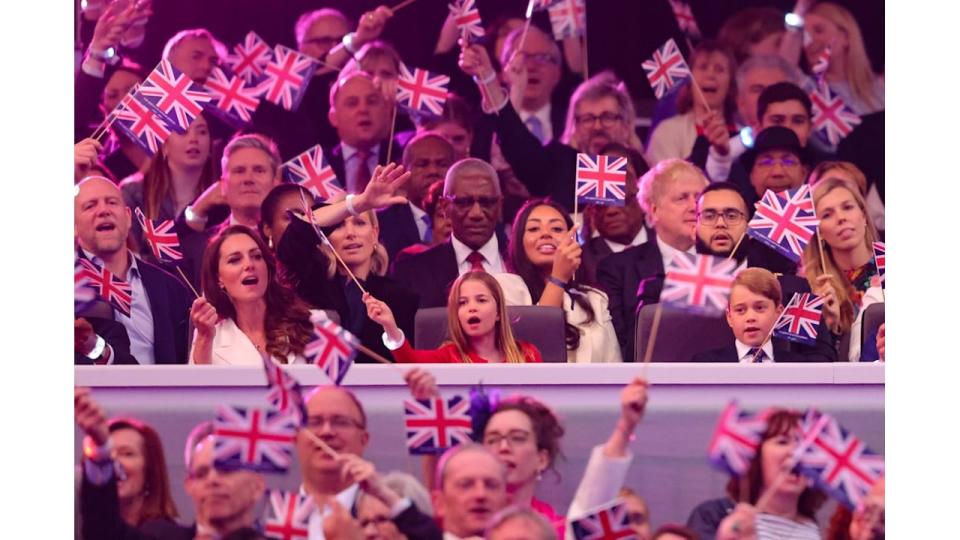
(479, 327)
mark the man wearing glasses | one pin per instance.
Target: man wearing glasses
(532, 88)
(776, 162)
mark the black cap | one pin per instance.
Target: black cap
(775, 138)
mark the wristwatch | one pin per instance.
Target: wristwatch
(108, 56)
(348, 43)
(793, 21)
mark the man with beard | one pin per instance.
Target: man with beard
(600, 113)
(427, 156)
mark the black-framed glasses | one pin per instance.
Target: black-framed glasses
(540, 58)
(337, 422)
(514, 438)
(466, 203)
(323, 41)
(785, 162)
(636, 518)
(731, 216)
(607, 119)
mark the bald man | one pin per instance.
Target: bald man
(159, 310)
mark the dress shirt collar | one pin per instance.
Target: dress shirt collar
(133, 271)
(743, 349)
(617, 247)
(490, 251)
(667, 251)
(349, 151)
(542, 114)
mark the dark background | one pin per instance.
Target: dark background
(622, 33)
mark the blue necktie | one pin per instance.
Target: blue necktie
(536, 127)
(757, 354)
(428, 233)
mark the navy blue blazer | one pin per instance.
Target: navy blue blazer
(335, 157)
(398, 228)
(728, 353)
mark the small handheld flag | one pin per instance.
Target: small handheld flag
(800, 319)
(685, 19)
(736, 439)
(257, 439)
(311, 170)
(287, 515)
(283, 391)
(422, 91)
(332, 348)
(568, 19)
(139, 124)
(698, 283)
(173, 95)
(607, 522)
(666, 68)
(110, 287)
(880, 258)
(434, 425)
(286, 77)
(250, 57)
(785, 221)
(161, 237)
(601, 179)
(467, 17)
(831, 115)
(234, 99)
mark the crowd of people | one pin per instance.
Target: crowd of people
(471, 210)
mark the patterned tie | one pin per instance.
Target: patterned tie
(476, 261)
(757, 354)
(361, 175)
(428, 233)
(536, 127)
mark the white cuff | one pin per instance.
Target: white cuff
(400, 507)
(390, 344)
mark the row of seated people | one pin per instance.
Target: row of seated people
(488, 489)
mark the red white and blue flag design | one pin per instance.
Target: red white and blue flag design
(821, 65)
(685, 18)
(84, 292)
(234, 100)
(601, 179)
(831, 115)
(785, 221)
(311, 170)
(332, 348)
(283, 391)
(257, 439)
(568, 19)
(250, 57)
(139, 124)
(173, 95)
(800, 319)
(467, 17)
(736, 439)
(837, 460)
(666, 69)
(698, 283)
(607, 522)
(161, 237)
(110, 287)
(287, 515)
(422, 91)
(539, 5)
(286, 77)
(433, 425)
(880, 258)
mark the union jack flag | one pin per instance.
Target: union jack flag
(311, 170)
(831, 115)
(880, 258)
(173, 95)
(422, 91)
(234, 100)
(800, 319)
(162, 238)
(539, 5)
(253, 438)
(284, 391)
(110, 287)
(785, 221)
(838, 461)
(568, 19)
(286, 77)
(666, 68)
(332, 348)
(140, 124)
(250, 57)
(601, 179)
(84, 292)
(698, 283)
(821, 65)
(736, 439)
(287, 515)
(433, 425)
(607, 522)
(685, 19)
(467, 17)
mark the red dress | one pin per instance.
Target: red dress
(448, 354)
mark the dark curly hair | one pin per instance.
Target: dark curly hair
(287, 324)
(546, 426)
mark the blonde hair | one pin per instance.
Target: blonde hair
(811, 255)
(379, 260)
(602, 85)
(654, 182)
(504, 339)
(819, 173)
(857, 70)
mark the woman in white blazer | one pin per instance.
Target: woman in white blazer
(544, 256)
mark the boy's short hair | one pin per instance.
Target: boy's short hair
(780, 92)
(760, 281)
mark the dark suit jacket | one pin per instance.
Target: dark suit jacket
(115, 334)
(398, 228)
(781, 353)
(336, 157)
(100, 512)
(594, 251)
(706, 517)
(630, 279)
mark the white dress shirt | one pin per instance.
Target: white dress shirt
(744, 356)
(617, 247)
(418, 216)
(490, 251)
(346, 499)
(350, 165)
(667, 251)
(543, 115)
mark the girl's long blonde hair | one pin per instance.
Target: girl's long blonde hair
(857, 70)
(811, 255)
(504, 339)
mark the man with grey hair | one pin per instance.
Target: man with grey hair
(532, 87)
(471, 486)
(519, 523)
(475, 205)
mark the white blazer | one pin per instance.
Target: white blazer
(598, 339)
(231, 347)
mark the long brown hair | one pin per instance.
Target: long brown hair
(156, 181)
(157, 501)
(287, 322)
(779, 422)
(503, 332)
(811, 255)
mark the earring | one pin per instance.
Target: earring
(539, 475)
(270, 242)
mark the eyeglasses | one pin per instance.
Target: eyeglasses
(636, 518)
(731, 216)
(376, 521)
(323, 41)
(514, 438)
(607, 119)
(466, 203)
(768, 162)
(540, 58)
(337, 422)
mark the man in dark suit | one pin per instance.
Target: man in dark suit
(159, 310)
(633, 278)
(472, 188)
(427, 157)
(532, 89)
(98, 339)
